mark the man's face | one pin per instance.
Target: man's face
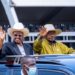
(51, 35)
(30, 63)
(18, 37)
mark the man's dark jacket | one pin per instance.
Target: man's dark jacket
(11, 48)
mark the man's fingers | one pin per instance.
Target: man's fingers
(42, 28)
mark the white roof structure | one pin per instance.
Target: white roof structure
(44, 2)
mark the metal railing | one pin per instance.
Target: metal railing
(63, 37)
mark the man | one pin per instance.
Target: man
(28, 66)
(46, 44)
(16, 46)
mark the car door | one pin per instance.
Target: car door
(53, 68)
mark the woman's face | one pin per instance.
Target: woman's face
(51, 35)
(18, 37)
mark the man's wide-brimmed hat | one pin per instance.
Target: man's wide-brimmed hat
(50, 27)
(18, 27)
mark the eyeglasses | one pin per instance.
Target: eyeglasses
(18, 35)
